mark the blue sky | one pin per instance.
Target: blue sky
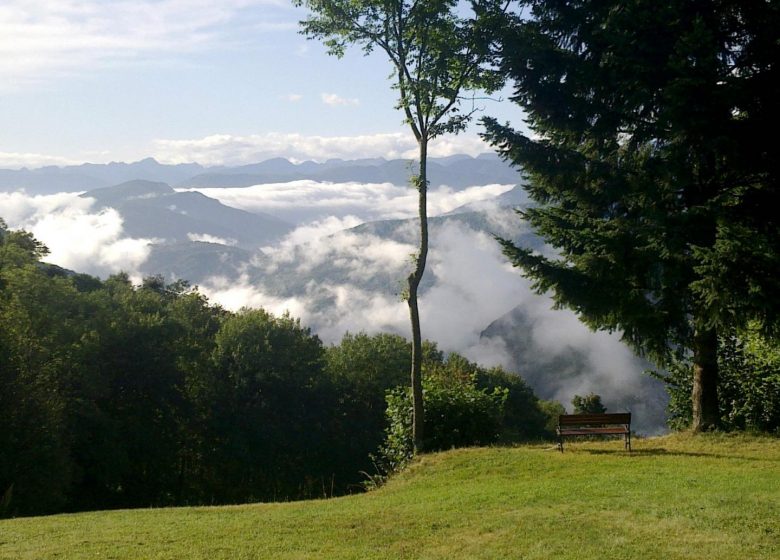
(223, 82)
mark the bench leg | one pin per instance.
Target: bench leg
(560, 443)
(628, 441)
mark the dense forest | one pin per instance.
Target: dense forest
(121, 395)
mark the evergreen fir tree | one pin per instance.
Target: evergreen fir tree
(653, 166)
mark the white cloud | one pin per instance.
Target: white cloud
(305, 201)
(583, 361)
(358, 310)
(293, 97)
(20, 210)
(328, 242)
(316, 230)
(469, 285)
(207, 238)
(336, 100)
(444, 199)
(472, 283)
(227, 149)
(17, 160)
(325, 243)
(233, 294)
(42, 39)
(78, 238)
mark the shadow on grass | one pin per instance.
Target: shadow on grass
(662, 452)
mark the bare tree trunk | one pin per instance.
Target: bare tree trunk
(418, 414)
(706, 415)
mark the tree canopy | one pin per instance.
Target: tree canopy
(651, 167)
(121, 395)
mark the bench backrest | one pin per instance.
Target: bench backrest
(594, 419)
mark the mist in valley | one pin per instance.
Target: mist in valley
(340, 267)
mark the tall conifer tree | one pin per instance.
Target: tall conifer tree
(653, 162)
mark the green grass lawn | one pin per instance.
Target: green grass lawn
(713, 496)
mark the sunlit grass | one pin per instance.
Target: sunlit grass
(681, 496)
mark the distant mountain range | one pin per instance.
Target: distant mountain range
(457, 171)
(88, 176)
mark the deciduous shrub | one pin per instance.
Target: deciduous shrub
(457, 414)
(589, 404)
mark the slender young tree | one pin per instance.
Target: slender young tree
(652, 169)
(436, 53)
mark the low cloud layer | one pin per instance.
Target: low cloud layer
(206, 238)
(304, 201)
(78, 237)
(227, 149)
(18, 160)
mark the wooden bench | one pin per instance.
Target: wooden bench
(594, 425)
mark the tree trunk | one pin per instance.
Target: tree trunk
(706, 415)
(418, 414)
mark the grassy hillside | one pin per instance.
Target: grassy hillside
(679, 496)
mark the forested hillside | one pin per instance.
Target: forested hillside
(121, 395)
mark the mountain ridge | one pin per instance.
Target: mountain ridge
(456, 171)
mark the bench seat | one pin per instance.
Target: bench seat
(594, 425)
